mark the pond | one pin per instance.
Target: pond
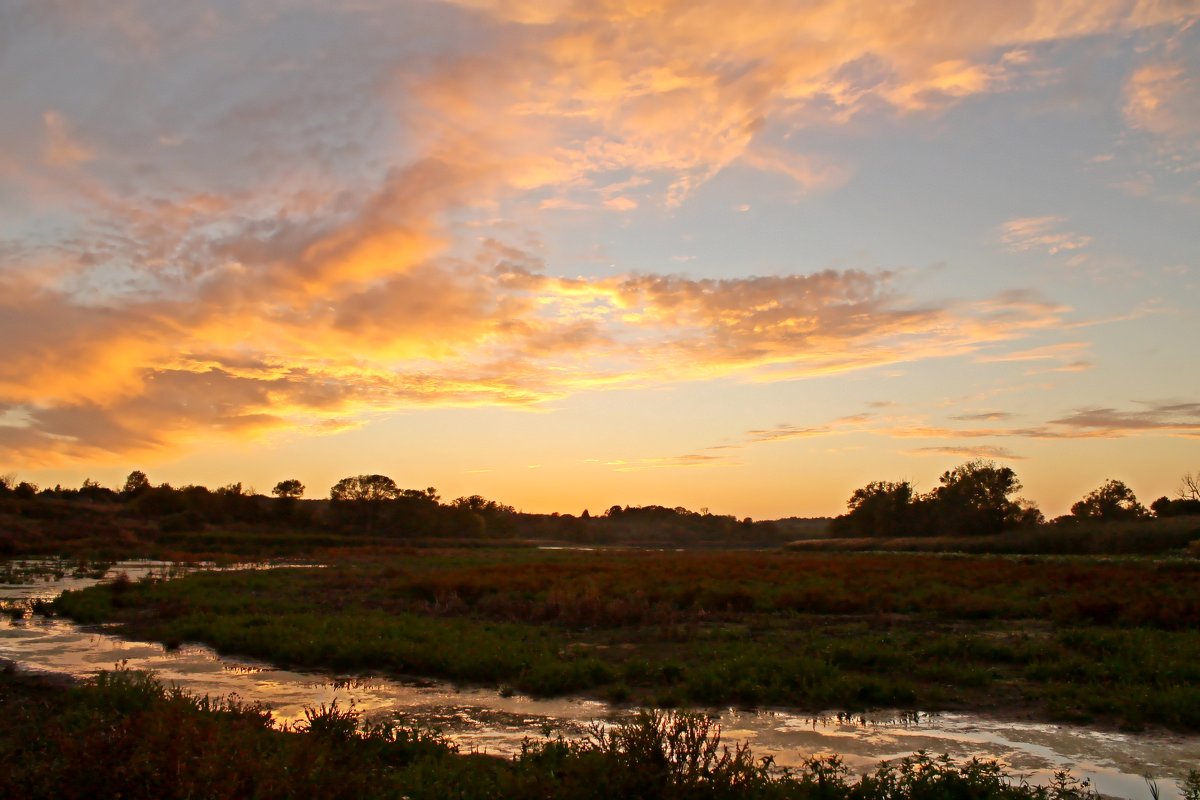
(483, 720)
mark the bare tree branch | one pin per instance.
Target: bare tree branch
(1189, 486)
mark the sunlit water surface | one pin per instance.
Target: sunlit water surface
(481, 719)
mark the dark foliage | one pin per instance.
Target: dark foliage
(973, 499)
(127, 736)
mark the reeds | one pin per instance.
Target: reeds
(125, 735)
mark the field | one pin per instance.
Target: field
(1086, 537)
(1111, 641)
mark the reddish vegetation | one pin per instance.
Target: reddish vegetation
(634, 588)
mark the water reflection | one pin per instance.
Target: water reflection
(483, 720)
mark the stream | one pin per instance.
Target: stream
(482, 720)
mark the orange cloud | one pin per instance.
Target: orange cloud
(250, 359)
(967, 452)
(62, 148)
(1064, 351)
(288, 294)
(646, 86)
(1041, 233)
(687, 460)
(1165, 418)
(1164, 99)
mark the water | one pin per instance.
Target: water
(482, 720)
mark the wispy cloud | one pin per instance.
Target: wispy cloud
(1061, 357)
(687, 460)
(1164, 418)
(1054, 352)
(999, 453)
(1041, 233)
(983, 416)
(781, 433)
(61, 147)
(1164, 99)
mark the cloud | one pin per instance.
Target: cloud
(1161, 107)
(983, 416)
(1164, 99)
(967, 452)
(1062, 357)
(805, 172)
(782, 433)
(1155, 418)
(786, 432)
(723, 454)
(254, 351)
(773, 328)
(283, 234)
(687, 460)
(1165, 417)
(1041, 233)
(621, 203)
(664, 98)
(61, 148)
(1053, 352)
(1169, 418)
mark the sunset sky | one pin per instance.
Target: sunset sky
(744, 256)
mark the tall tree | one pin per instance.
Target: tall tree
(974, 498)
(881, 508)
(364, 488)
(360, 499)
(1113, 500)
(135, 484)
(290, 489)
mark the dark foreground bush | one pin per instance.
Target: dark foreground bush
(125, 735)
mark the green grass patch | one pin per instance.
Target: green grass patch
(1073, 640)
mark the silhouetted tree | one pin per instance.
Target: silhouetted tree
(157, 501)
(364, 488)
(1111, 501)
(360, 498)
(881, 508)
(290, 489)
(1166, 507)
(1189, 486)
(496, 517)
(135, 484)
(974, 499)
(289, 493)
(417, 512)
(92, 490)
(237, 503)
(481, 505)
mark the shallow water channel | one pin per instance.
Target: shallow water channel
(480, 719)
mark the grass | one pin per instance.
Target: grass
(1134, 537)
(1076, 639)
(125, 735)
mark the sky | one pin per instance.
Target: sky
(566, 254)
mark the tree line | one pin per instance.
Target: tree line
(979, 497)
(375, 505)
